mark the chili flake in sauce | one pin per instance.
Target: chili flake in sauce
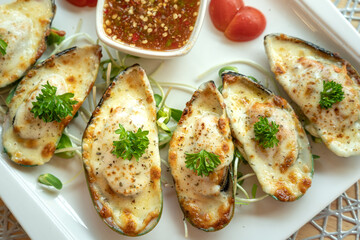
(151, 24)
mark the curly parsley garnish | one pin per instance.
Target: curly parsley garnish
(202, 163)
(3, 46)
(51, 107)
(130, 144)
(265, 133)
(332, 93)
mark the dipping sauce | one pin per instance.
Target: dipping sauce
(151, 24)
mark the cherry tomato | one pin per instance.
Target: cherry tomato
(247, 24)
(79, 3)
(91, 3)
(223, 11)
(83, 3)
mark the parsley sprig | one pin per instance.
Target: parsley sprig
(51, 107)
(265, 133)
(332, 93)
(3, 46)
(202, 163)
(130, 144)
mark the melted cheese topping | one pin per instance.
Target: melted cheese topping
(301, 70)
(287, 150)
(285, 170)
(129, 191)
(201, 133)
(24, 33)
(30, 141)
(127, 177)
(203, 126)
(28, 127)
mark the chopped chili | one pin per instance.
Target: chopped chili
(151, 24)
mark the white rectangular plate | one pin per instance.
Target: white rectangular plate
(69, 214)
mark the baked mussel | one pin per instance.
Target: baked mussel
(35, 120)
(24, 26)
(200, 156)
(323, 85)
(121, 155)
(269, 136)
